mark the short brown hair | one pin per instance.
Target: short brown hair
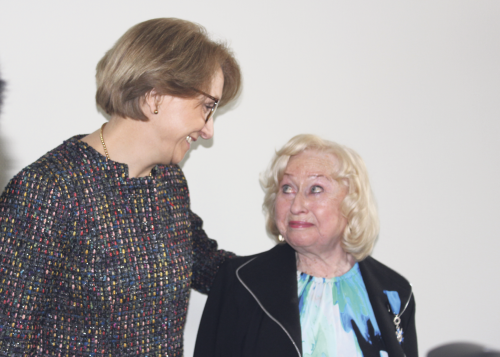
(171, 56)
(358, 206)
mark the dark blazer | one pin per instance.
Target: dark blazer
(252, 309)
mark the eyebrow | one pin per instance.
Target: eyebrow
(215, 99)
(314, 175)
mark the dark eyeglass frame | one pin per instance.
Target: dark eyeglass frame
(216, 104)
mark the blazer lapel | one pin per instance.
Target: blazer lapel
(272, 278)
(376, 282)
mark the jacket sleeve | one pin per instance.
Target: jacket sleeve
(29, 259)
(213, 323)
(206, 257)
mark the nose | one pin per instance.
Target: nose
(208, 130)
(299, 204)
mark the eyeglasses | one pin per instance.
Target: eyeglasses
(212, 109)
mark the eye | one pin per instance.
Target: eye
(316, 189)
(286, 189)
(209, 107)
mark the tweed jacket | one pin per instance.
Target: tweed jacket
(94, 263)
(252, 309)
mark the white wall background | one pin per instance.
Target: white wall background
(413, 86)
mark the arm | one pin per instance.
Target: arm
(29, 257)
(217, 330)
(207, 258)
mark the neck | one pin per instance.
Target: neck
(127, 142)
(325, 265)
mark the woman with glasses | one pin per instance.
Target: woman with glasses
(99, 247)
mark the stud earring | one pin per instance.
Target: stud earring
(156, 111)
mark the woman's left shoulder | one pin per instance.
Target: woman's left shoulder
(374, 270)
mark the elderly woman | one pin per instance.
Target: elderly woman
(318, 292)
(99, 247)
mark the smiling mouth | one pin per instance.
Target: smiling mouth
(299, 224)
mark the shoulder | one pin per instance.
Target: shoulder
(265, 261)
(47, 174)
(255, 271)
(266, 271)
(230, 265)
(381, 270)
(68, 156)
(379, 278)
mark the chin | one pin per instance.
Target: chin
(303, 241)
(177, 157)
(176, 160)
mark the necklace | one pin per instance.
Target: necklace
(106, 150)
(103, 144)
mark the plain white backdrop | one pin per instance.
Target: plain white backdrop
(413, 86)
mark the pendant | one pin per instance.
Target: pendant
(399, 330)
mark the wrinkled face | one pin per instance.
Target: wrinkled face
(181, 121)
(307, 208)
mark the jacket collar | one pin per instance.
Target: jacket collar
(271, 277)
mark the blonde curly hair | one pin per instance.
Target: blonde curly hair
(358, 207)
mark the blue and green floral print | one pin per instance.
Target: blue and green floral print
(336, 316)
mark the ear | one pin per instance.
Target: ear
(152, 100)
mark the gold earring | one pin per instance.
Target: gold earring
(156, 111)
(280, 238)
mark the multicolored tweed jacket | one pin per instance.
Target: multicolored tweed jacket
(93, 263)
